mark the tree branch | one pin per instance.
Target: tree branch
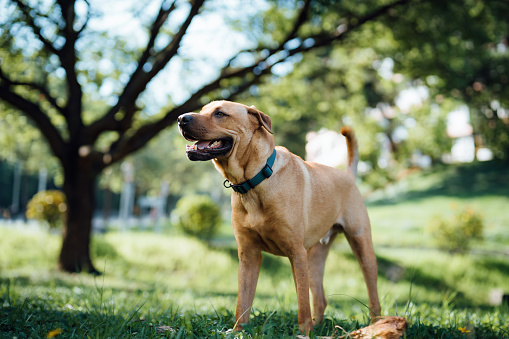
(163, 57)
(140, 78)
(34, 112)
(161, 18)
(85, 24)
(259, 68)
(37, 30)
(41, 89)
(144, 134)
(67, 56)
(326, 38)
(301, 19)
(68, 60)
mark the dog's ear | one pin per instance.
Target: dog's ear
(263, 118)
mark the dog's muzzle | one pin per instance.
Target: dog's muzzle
(203, 149)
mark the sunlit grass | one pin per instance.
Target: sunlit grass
(156, 279)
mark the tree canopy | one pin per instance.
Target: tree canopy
(455, 52)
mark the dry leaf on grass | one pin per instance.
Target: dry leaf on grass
(385, 328)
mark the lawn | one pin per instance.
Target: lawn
(168, 285)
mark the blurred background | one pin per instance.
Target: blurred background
(90, 92)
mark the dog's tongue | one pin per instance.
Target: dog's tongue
(202, 144)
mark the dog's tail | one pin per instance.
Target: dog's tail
(353, 149)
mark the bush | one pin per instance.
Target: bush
(198, 216)
(47, 206)
(102, 248)
(456, 234)
(378, 179)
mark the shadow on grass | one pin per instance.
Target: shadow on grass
(420, 330)
(36, 319)
(394, 272)
(494, 264)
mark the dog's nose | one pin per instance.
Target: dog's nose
(184, 119)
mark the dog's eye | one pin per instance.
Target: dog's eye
(219, 114)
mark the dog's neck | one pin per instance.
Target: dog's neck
(246, 162)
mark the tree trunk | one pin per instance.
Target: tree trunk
(79, 185)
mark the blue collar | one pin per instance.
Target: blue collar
(265, 173)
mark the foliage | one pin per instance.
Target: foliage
(21, 142)
(455, 52)
(465, 56)
(198, 216)
(379, 179)
(455, 235)
(49, 207)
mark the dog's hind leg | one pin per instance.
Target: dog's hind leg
(362, 247)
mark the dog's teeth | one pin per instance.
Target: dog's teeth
(214, 144)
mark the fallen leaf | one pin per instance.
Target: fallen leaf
(384, 328)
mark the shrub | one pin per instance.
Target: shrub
(198, 216)
(455, 235)
(102, 248)
(47, 206)
(378, 179)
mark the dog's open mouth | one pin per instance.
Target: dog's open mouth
(203, 150)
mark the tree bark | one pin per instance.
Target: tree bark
(79, 184)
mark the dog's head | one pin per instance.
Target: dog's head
(220, 127)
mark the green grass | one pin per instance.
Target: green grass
(409, 205)
(152, 280)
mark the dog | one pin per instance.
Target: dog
(282, 204)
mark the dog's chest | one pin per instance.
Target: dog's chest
(250, 215)
(264, 226)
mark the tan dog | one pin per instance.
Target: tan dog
(296, 211)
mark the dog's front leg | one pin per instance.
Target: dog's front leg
(299, 263)
(250, 261)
